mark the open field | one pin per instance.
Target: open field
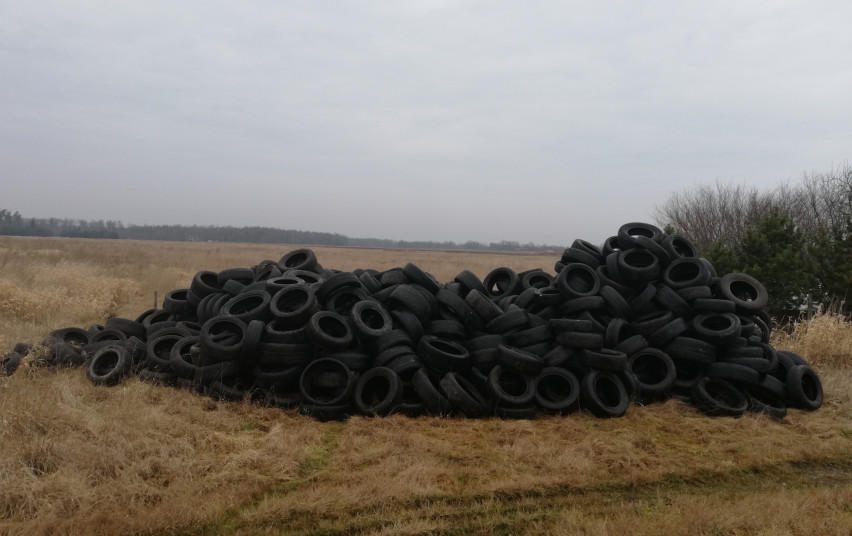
(144, 459)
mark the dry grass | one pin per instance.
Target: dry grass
(142, 459)
(826, 340)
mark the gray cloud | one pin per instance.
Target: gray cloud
(537, 121)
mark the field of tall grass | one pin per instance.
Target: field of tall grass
(137, 458)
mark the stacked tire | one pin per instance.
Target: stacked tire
(642, 318)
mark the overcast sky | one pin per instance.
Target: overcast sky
(529, 121)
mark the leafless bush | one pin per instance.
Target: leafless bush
(721, 212)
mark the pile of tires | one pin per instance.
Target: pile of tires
(642, 318)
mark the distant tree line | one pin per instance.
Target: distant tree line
(12, 223)
(797, 239)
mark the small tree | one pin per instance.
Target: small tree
(774, 251)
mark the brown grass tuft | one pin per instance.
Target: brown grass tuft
(826, 340)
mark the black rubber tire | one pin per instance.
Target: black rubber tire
(581, 305)
(578, 339)
(654, 248)
(717, 397)
(299, 259)
(407, 322)
(804, 388)
(131, 328)
(377, 391)
(354, 360)
(638, 265)
(616, 304)
(605, 360)
(371, 320)
(501, 282)
(409, 298)
(759, 364)
(578, 255)
(276, 332)
(276, 378)
(643, 303)
(559, 325)
(448, 329)
(370, 283)
(210, 306)
(435, 402)
(222, 338)
(232, 287)
(482, 305)
(654, 371)
(713, 305)
(386, 355)
(342, 301)
(159, 350)
(537, 279)
(205, 283)
(77, 337)
(734, 373)
(419, 277)
(336, 283)
(469, 282)
(442, 355)
(628, 231)
(463, 395)
(394, 337)
(519, 360)
(686, 272)
(244, 276)
(690, 294)
(307, 277)
(293, 305)
(205, 375)
(690, 349)
(717, 328)
(393, 277)
(510, 388)
(455, 307)
(106, 335)
(557, 390)
(313, 393)
(180, 357)
(745, 291)
(176, 302)
(666, 333)
(578, 280)
(670, 300)
(330, 331)
(678, 246)
(632, 344)
(604, 394)
(529, 336)
(405, 365)
(607, 278)
(484, 342)
(248, 306)
(10, 363)
(508, 321)
(109, 366)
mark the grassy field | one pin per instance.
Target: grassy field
(137, 458)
